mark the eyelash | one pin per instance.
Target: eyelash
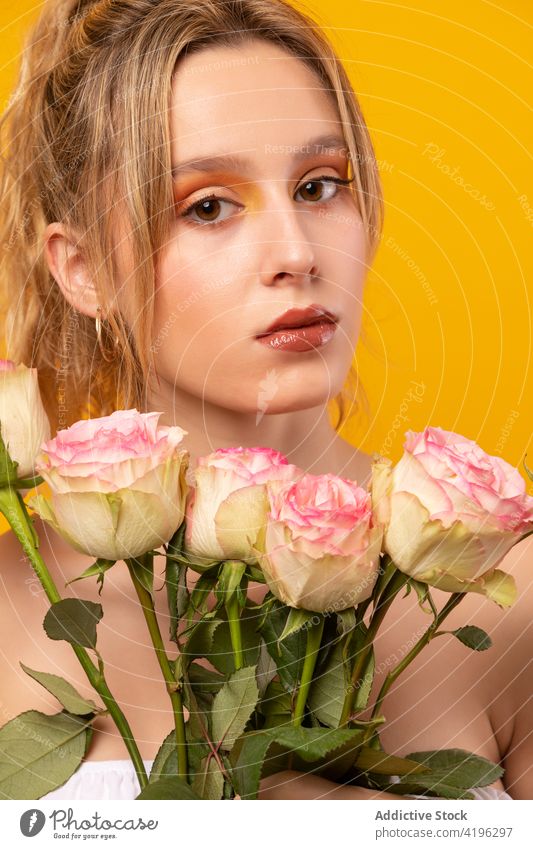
(187, 211)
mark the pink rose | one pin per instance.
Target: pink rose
(320, 548)
(228, 505)
(451, 513)
(118, 484)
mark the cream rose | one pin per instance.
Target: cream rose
(227, 507)
(118, 484)
(23, 419)
(451, 513)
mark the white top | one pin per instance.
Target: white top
(101, 780)
(118, 780)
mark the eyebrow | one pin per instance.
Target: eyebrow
(234, 162)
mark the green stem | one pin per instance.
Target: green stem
(387, 597)
(14, 509)
(314, 639)
(452, 602)
(27, 483)
(234, 622)
(173, 688)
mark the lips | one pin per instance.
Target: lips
(300, 318)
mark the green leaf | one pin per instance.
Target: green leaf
(197, 752)
(143, 569)
(386, 572)
(329, 687)
(370, 760)
(346, 621)
(255, 574)
(365, 686)
(175, 545)
(73, 620)
(208, 782)
(289, 655)
(200, 641)
(313, 744)
(98, 568)
(205, 681)
(473, 637)
(254, 756)
(197, 726)
(275, 705)
(8, 467)
(177, 595)
(63, 691)
(229, 578)
(250, 758)
(170, 787)
(363, 691)
(203, 684)
(326, 697)
(222, 656)
(199, 596)
(176, 582)
(232, 707)
(266, 668)
(166, 748)
(166, 761)
(440, 791)
(422, 591)
(39, 752)
(455, 768)
(340, 767)
(296, 619)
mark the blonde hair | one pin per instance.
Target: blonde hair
(86, 133)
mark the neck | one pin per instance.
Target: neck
(306, 437)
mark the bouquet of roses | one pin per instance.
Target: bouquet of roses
(277, 583)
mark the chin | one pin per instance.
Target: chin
(293, 402)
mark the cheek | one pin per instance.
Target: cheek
(195, 320)
(348, 271)
(196, 276)
(179, 302)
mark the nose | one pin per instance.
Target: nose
(287, 253)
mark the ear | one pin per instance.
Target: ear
(67, 265)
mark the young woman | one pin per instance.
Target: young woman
(180, 178)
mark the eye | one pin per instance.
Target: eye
(320, 181)
(208, 205)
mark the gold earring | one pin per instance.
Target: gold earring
(98, 325)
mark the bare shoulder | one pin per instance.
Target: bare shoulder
(453, 697)
(19, 581)
(511, 709)
(132, 670)
(23, 606)
(22, 609)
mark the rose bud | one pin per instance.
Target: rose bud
(227, 507)
(23, 419)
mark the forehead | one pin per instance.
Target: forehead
(254, 98)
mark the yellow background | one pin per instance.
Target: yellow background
(447, 306)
